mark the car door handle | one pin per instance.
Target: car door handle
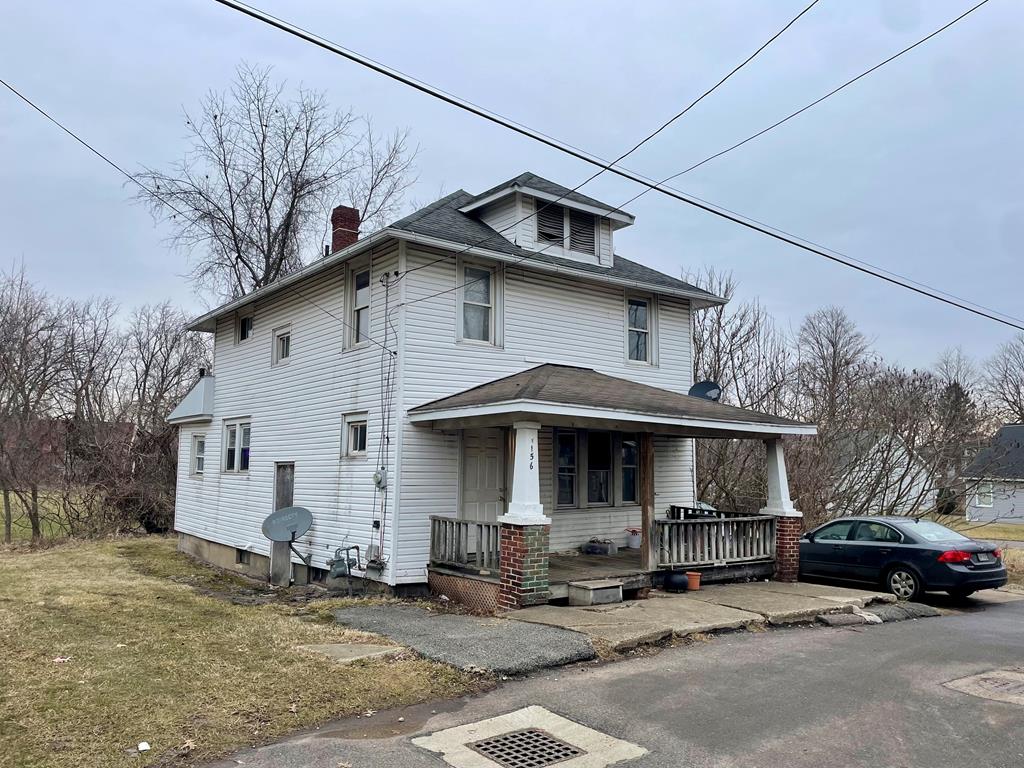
(837, 547)
(885, 551)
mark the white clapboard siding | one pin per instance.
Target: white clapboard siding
(296, 411)
(547, 318)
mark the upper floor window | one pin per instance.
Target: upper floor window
(571, 229)
(236, 446)
(359, 314)
(638, 329)
(198, 454)
(985, 496)
(244, 327)
(477, 304)
(282, 345)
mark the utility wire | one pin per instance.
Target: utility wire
(538, 210)
(159, 197)
(572, 151)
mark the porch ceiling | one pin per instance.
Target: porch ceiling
(560, 395)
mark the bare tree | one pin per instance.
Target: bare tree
(1005, 380)
(263, 170)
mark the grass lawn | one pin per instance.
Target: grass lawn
(1014, 559)
(996, 531)
(154, 652)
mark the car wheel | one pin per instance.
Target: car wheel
(903, 583)
(960, 594)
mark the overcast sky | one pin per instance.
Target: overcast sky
(916, 168)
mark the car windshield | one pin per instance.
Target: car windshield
(934, 532)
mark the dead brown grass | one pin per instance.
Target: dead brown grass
(1014, 559)
(150, 658)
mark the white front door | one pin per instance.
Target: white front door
(483, 474)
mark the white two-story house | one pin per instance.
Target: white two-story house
(486, 363)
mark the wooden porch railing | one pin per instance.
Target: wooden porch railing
(715, 541)
(464, 543)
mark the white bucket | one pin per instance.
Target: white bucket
(635, 540)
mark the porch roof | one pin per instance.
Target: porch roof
(563, 395)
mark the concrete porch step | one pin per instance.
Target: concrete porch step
(595, 592)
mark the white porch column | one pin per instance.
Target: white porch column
(524, 507)
(789, 520)
(779, 503)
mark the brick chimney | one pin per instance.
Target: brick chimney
(344, 227)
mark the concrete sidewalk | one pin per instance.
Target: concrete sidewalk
(721, 607)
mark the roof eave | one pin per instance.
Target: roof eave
(620, 218)
(546, 408)
(208, 323)
(698, 299)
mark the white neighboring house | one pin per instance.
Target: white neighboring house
(441, 351)
(997, 478)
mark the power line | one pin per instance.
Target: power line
(136, 181)
(572, 151)
(537, 211)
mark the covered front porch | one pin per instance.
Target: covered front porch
(514, 554)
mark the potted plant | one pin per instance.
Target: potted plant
(635, 539)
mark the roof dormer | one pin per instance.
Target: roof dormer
(539, 215)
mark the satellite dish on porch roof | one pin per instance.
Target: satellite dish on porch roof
(707, 390)
(287, 524)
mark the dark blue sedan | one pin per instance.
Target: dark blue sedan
(906, 556)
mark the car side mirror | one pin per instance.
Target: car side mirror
(808, 536)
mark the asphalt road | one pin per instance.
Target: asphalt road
(789, 698)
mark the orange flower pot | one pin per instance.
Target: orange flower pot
(693, 579)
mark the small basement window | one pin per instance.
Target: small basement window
(243, 557)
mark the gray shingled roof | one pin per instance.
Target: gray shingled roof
(585, 387)
(1002, 458)
(443, 219)
(541, 184)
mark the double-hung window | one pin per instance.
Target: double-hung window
(477, 303)
(599, 468)
(565, 469)
(359, 315)
(236, 446)
(638, 330)
(198, 454)
(355, 435)
(630, 458)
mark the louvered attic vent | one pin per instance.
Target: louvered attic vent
(552, 221)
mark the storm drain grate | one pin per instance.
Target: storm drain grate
(1011, 687)
(528, 748)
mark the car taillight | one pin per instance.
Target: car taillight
(999, 554)
(955, 556)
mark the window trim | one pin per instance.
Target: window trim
(652, 328)
(497, 303)
(194, 469)
(990, 493)
(352, 323)
(239, 424)
(239, 318)
(275, 352)
(349, 421)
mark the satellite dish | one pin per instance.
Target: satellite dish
(707, 390)
(287, 524)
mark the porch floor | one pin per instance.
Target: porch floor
(625, 566)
